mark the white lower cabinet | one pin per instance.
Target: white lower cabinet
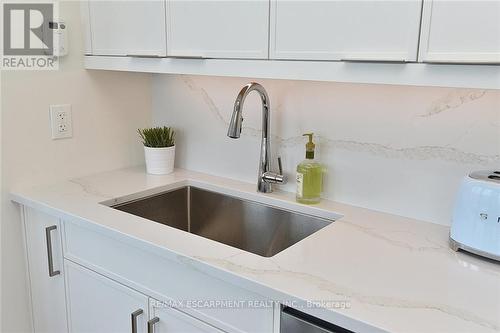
(46, 272)
(88, 280)
(165, 319)
(156, 273)
(100, 305)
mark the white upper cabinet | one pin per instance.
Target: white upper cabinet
(218, 28)
(135, 28)
(345, 30)
(461, 31)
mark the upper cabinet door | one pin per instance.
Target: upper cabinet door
(218, 28)
(461, 31)
(128, 27)
(345, 30)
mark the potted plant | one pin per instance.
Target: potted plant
(159, 149)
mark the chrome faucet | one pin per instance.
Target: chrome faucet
(265, 177)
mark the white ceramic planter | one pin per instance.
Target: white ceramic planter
(159, 161)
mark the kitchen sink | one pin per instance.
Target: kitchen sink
(244, 224)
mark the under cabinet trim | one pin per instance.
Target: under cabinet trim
(411, 74)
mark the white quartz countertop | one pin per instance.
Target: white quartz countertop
(395, 274)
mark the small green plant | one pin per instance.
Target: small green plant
(157, 137)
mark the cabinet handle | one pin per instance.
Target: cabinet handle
(199, 57)
(151, 324)
(52, 272)
(154, 56)
(365, 60)
(134, 316)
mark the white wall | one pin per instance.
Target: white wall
(390, 148)
(107, 109)
(1, 200)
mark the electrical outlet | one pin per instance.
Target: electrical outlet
(60, 121)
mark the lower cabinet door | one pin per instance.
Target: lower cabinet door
(165, 319)
(99, 305)
(46, 272)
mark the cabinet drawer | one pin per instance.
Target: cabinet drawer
(97, 304)
(168, 319)
(194, 292)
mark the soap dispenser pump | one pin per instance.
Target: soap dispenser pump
(309, 176)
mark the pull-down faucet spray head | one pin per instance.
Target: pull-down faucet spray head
(234, 129)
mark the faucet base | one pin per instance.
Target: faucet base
(264, 187)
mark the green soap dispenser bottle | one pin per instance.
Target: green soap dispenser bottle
(309, 176)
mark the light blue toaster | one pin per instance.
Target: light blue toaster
(476, 218)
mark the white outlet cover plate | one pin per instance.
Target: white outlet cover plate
(60, 121)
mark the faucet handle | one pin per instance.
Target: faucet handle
(274, 177)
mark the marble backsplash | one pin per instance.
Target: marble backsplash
(396, 149)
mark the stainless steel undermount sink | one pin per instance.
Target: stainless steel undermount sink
(244, 224)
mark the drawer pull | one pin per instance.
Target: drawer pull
(151, 324)
(134, 316)
(52, 272)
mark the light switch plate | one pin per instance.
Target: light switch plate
(60, 121)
